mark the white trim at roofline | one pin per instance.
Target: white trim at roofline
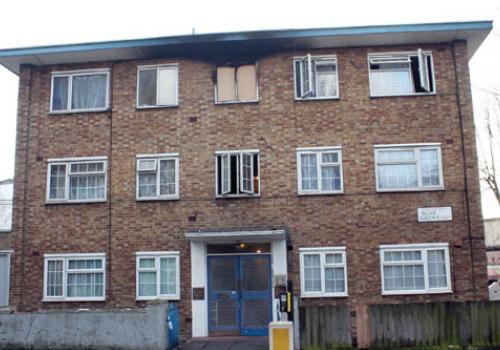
(423, 144)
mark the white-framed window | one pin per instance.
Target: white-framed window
(158, 275)
(4, 277)
(316, 77)
(157, 86)
(76, 180)
(80, 91)
(319, 170)
(74, 277)
(401, 74)
(415, 268)
(237, 84)
(323, 272)
(157, 176)
(411, 167)
(237, 173)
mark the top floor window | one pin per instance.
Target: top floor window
(316, 77)
(80, 91)
(401, 74)
(237, 84)
(157, 86)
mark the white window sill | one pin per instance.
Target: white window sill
(150, 199)
(416, 292)
(62, 300)
(75, 202)
(237, 196)
(406, 95)
(316, 193)
(235, 102)
(324, 295)
(420, 189)
(317, 98)
(161, 297)
(156, 107)
(76, 111)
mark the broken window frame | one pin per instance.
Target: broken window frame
(220, 190)
(396, 57)
(237, 100)
(311, 60)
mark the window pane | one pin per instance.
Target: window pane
(226, 84)
(334, 280)
(429, 165)
(404, 277)
(89, 91)
(436, 265)
(147, 284)
(86, 187)
(85, 284)
(167, 94)
(397, 176)
(312, 273)
(246, 172)
(147, 87)
(330, 157)
(57, 181)
(333, 258)
(147, 263)
(246, 78)
(167, 177)
(60, 93)
(168, 276)
(326, 79)
(54, 278)
(396, 156)
(309, 171)
(147, 184)
(84, 264)
(330, 178)
(390, 79)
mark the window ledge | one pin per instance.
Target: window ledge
(319, 193)
(430, 189)
(51, 202)
(416, 292)
(237, 102)
(324, 295)
(63, 300)
(317, 98)
(79, 111)
(404, 95)
(157, 199)
(146, 108)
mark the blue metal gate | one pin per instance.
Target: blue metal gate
(239, 294)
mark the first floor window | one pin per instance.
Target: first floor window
(316, 77)
(158, 177)
(237, 173)
(319, 170)
(323, 272)
(76, 180)
(80, 91)
(74, 277)
(408, 167)
(158, 275)
(157, 86)
(414, 268)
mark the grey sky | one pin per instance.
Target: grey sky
(30, 23)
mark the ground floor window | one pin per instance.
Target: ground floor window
(158, 275)
(323, 272)
(74, 277)
(415, 268)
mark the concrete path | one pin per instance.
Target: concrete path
(227, 343)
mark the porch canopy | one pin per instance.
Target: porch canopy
(237, 236)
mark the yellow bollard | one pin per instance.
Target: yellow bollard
(281, 335)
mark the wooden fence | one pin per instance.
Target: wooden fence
(326, 327)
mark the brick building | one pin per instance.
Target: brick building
(213, 169)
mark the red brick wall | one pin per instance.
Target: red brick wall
(360, 219)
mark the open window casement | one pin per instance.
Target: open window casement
(423, 70)
(226, 174)
(246, 171)
(307, 76)
(146, 165)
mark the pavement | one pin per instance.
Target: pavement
(227, 343)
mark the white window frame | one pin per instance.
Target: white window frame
(158, 157)
(318, 151)
(311, 71)
(256, 100)
(241, 194)
(158, 68)
(424, 248)
(396, 55)
(70, 75)
(68, 162)
(157, 256)
(417, 147)
(322, 251)
(65, 259)
(7, 286)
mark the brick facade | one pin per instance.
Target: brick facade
(360, 219)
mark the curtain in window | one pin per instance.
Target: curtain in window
(312, 273)
(391, 79)
(89, 91)
(85, 284)
(334, 280)
(429, 165)
(57, 183)
(54, 278)
(168, 276)
(147, 283)
(147, 87)
(86, 186)
(167, 177)
(60, 93)
(309, 171)
(330, 178)
(326, 79)
(437, 269)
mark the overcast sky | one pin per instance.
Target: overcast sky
(30, 23)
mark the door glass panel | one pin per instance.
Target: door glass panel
(222, 274)
(255, 313)
(255, 271)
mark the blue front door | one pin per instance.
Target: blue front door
(239, 294)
